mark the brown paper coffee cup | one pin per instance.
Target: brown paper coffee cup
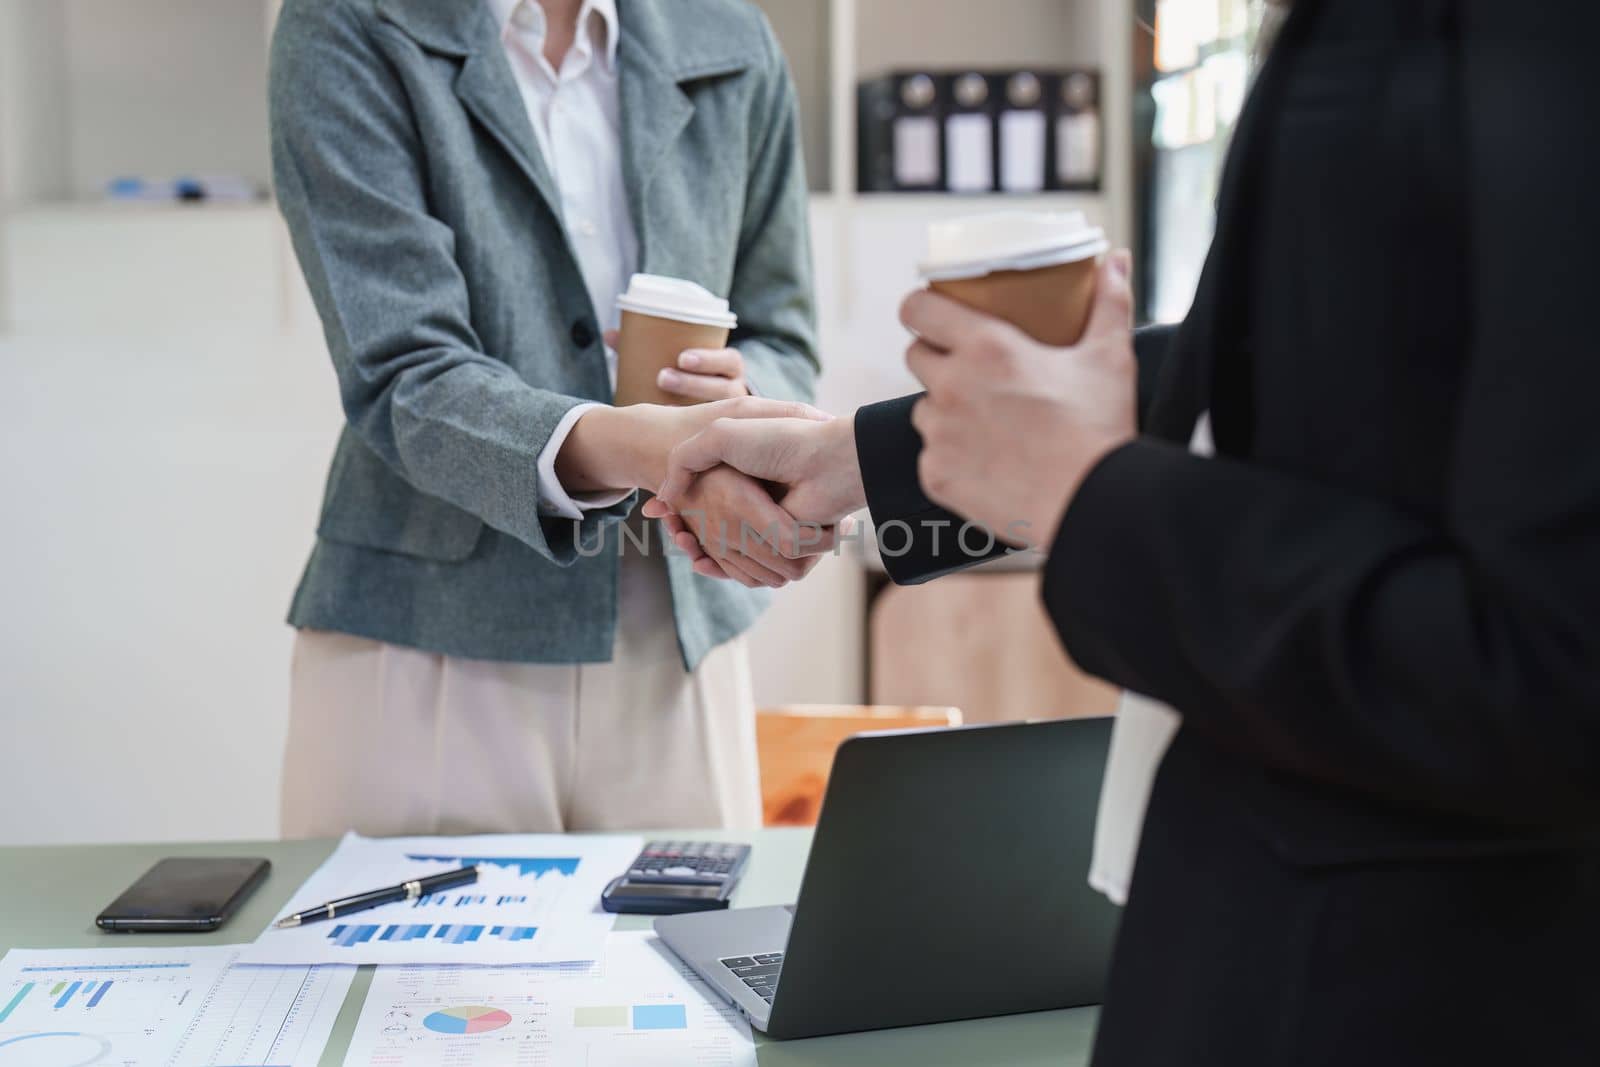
(1049, 304)
(650, 343)
(1034, 270)
(661, 317)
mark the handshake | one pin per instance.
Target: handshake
(759, 500)
(754, 490)
(758, 490)
(1024, 347)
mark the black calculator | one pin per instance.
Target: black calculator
(670, 877)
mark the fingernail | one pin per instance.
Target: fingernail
(667, 378)
(689, 360)
(1122, 262)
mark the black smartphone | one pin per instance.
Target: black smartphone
(185, 893)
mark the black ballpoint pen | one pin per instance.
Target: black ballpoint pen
(361, 901)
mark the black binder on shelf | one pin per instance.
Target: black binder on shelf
(899, 134)
(970, 107)
(1022, 130)
(1077, 148)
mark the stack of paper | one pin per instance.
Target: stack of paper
(182, 1007)
(537, 901)
(638, 1006)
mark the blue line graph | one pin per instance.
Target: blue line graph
(525, 865)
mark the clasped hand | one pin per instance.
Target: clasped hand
(1010, 429)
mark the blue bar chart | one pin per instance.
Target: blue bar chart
(352, 935)
(18, 998)
(349, 936)
(538, 866)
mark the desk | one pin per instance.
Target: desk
(50, 896)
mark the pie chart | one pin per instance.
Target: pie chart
(468, 1019)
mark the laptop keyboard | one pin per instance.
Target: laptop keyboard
(759, 972)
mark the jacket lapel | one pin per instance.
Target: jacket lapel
(655, 110)
(465, 30)
(488, 90)
(658, 56)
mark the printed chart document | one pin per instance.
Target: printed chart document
(636, 1007)
(536, 901)
(174, 1007)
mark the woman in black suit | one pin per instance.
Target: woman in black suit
(1376, 837)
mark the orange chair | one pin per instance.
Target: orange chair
(797, 743)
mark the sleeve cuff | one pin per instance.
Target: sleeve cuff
(1102, 583)
(887, 447)
(554, 501)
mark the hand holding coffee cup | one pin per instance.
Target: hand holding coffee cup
(1036, 270)
(672, 347)
(1011, 425)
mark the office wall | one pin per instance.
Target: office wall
(158, 495)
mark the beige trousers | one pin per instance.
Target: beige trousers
(389, 740)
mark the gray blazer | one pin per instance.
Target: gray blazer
(429, 230)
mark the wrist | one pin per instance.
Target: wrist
(839, 452)
(609, 448)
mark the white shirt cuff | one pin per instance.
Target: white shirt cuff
(553, 499)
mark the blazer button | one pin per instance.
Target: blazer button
(582, 333)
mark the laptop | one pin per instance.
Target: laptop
(948, 879)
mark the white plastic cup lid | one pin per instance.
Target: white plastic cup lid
(975, 245)
(675, 298)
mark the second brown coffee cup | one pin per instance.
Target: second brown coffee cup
(1034, 270)
(661, 317)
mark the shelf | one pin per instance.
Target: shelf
(947, 204)
(102, 89)
(90, 89)
(118, 209)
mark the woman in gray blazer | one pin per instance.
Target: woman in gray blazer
(469, 184)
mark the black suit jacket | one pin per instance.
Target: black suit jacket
(1375, 839)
